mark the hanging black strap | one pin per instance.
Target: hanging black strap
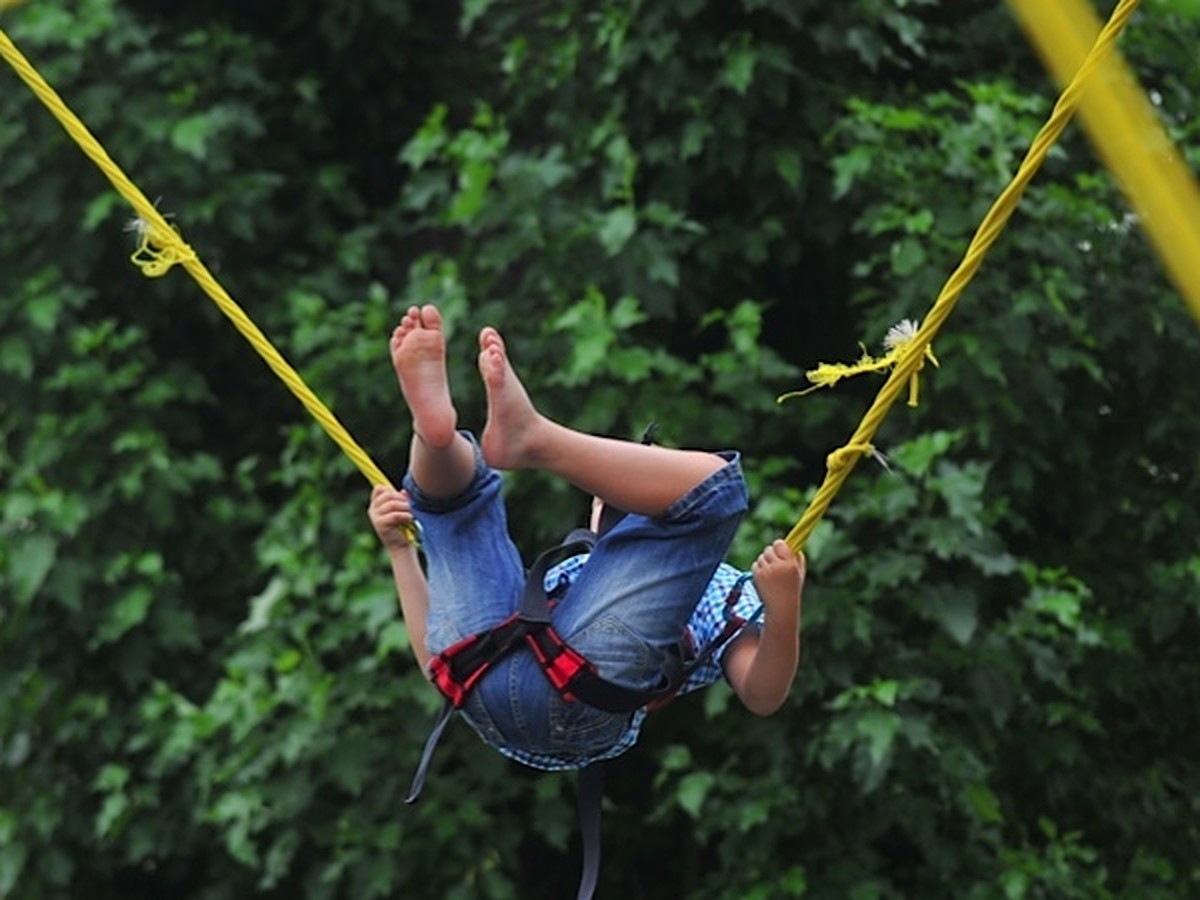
(456, 674)
(431, 742)
(590, 789)
(457, 670)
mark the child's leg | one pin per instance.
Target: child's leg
(442, 461)
(630, 605)
(475, 573)
(634, 477)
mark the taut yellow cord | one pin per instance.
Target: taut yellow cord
(162, 247)
(1158, 198)
(1128, 137)
(913, 355)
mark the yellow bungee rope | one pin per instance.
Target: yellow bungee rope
(895, 342)
(908, 359)
(1129, 137)
(161, 247)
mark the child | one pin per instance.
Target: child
(654, 579)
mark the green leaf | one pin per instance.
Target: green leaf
(393, 637)
(238, 812)
(288, 660)
(128, 612)
(848, 168)
(429, 140)
(879, 728)
(984, 803)
(739, 67)
(794, 882)
(961, 487)
(190, 135)
(675, 758)
(956, 610)
(101, 208)
(32, 559)
(278, 860)
(664, 270)
(474, 180)
(112, 777)
(753, 813)
(262, 604)
(1063, 606)
(627, 313)
(692, 790)
(695, 134)
(12, 864)
(1015, 884)
(790, 166)
(551, 170)
(908, 255)
(112, 809)
(717, 699)
(918, 455)
(920, 222)
(616, 228)
(884, 692)
(16, 357)
(43, 310)
(20, 745)
(472, 11)
(376, 606)
(589, 352)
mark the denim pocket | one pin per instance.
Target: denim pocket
(476, 714)
(579, 729)
(619, 654)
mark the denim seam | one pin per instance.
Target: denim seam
(728, 475)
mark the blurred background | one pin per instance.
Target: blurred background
(672, 210)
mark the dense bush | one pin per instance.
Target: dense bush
(672, 210)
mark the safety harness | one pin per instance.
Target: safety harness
(458, 669)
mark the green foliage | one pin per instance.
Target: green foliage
(672, 210)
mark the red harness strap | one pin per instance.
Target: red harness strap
(459, 668)
(565, 668)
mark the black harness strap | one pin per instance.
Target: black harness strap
(733, 625)
(418, 782)
(458, 669)
(590, 790)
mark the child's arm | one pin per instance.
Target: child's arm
(761, 664)
(389, 512)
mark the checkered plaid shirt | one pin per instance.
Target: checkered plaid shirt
(706, 623)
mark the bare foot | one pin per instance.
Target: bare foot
(510, 437)
(419, 356)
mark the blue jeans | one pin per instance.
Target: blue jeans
(626, 612)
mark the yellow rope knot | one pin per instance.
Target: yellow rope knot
(159, 248)
(901, 339)
(896, 343)
(842, 457)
